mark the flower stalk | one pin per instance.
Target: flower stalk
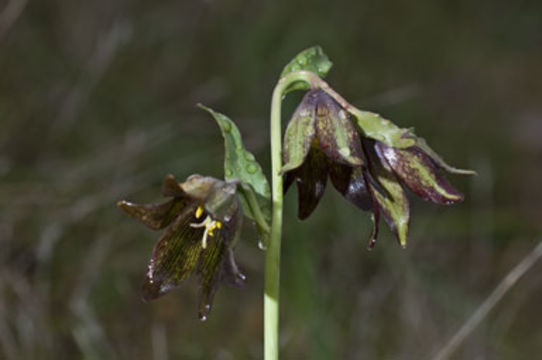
(272, 258)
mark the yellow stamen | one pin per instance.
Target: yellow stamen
(199, 211)
(210, 225)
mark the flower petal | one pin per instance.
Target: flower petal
(170, 187)
(208, 270)
(216, 263)
(392, 201)
(299, 134)
(349, 181)
(375, 216)
(311, 180)
(174, 256)
(231, 274)
(155, 216)
(419, 173)
(423, 146)
(336, 134)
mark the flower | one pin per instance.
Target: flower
(321, 139)
(202, 222)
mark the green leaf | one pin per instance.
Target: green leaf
(422, 144)
(376, 127)
(312, 59)
(240, 164)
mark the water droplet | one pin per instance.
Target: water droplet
(251, 168)
(249, 156)
(203, 318)
(229, 172)
(226, 126)
(262, 245)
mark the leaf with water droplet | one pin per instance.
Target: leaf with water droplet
(312, 59)
(240, 164)
(376, 127)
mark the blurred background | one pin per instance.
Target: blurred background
(97, 104)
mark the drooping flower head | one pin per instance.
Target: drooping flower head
(202, 222)
(322, 139)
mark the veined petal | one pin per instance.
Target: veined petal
(350, 183)
(174, 256)
(208, 270)
(336, 134)
(393, 202)
(299, 134)
(231, 274)
(170, 187)
(311, 180)
(417, 171)
(376, 210)
(155, 216)
(210, 267)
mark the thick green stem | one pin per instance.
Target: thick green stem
(272, 259)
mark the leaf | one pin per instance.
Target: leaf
(376, 127)
(240, 164)
(422, 144)
(312, 59)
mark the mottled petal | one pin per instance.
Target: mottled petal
(289, 178)
(336, 134)
(216, 263)
(174, 256)
(439, 161)
(311, 180)
(375, 216)
(349, 181)
(208, 269)
(418, 172)
(231, 274)
(299, 134)
(170, 187)
(222, 202)
(392, 202)
(155, 216)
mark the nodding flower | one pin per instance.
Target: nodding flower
(321, 139)
(201, 223)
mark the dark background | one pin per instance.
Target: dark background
(97, 104)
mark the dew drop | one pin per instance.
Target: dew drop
(249, 156)
(251, 168)
(226, 126)
(262, 245)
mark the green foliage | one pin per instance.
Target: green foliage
(376, 127)
(312, 59)
(240, 164)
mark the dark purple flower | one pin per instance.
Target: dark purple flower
(201, 223)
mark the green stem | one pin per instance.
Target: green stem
(272, 259)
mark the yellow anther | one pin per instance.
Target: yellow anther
(199, 211)
(210, 225)
(213, 226)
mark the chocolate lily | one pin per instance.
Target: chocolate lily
(202, 222)
(390, 170)
(320, 140)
